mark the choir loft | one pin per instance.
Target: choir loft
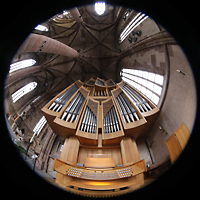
(94, 99)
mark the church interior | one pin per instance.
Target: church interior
(94, 100)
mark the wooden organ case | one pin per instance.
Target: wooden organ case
(100, 121)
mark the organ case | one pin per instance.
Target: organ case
(112, 131)
(87, 131)
(68, 118)
(50, 115)
(132, 120)
(150, 115)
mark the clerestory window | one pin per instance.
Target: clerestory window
(21, 64)
(39, 125)
(148, 83)
(22, 91)
(135, 22)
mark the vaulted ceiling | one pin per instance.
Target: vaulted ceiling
(94, 38)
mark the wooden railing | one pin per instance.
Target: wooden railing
(99, 174)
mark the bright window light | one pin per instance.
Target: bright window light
(41, 28)
(22, 91)
(151, 76)
(21, 64)
(143, 90)
(157, 89)
(155, 98)
(39, 125)
(159, 79)
(136, 21)
(148, 94)
(148, 83)
(100, 7)
(145, 75)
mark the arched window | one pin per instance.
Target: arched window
(150, 84)
(22, 91)
(21, 64)
(39, 126)
(135, 22)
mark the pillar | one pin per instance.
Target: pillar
(41, 43)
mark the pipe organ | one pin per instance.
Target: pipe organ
(100, 121)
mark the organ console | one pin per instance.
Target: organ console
(100, 121)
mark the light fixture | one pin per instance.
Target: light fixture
(180, 71)
(100, 7)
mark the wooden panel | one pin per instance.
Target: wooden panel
(93, 106)
(177, 141)
(107, 106)
(129, 151)
(173, 147)
(100, 153)
(182, 135)
(116, 154)
(70, 150)
(99, 162)
(100, 185)
(79, 83)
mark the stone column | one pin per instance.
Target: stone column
(41, 43)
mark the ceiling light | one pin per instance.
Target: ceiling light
(100, 7)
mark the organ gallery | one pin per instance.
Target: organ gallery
(103, 118)
(96, 101)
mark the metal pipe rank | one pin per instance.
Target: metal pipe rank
(72, 111)
(110, 121)
(89, 122)
(127, 111)
(62, 99)
(140, 102)
(101, 83)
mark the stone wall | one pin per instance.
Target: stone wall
(179, 105)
